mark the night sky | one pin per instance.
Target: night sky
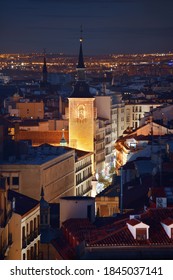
(109, 26)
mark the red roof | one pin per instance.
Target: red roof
(115, 233)
(133, 222)
(168, 221)
(118, 234)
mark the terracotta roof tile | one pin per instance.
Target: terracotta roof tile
(118, 234)
(133, 222)
(168, 221)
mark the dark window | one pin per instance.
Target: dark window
(23, 233)
(8, 181)
(15, 180)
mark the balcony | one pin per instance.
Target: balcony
(100, 160)
(100, 151)
(108, 142)
(30, 237)
(83, 179)
(108, 132)
(36, 233)
(83, 166)
(24, 243)
(86, 190)
(98, 141)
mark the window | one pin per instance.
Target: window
(8, 181)
(15, 181)
(31, 226)
(141, 234)
(27, 228)
(23, 233)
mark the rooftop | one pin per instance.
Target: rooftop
(37, 155)
(116, 233)
(81, 90)
(23, 203)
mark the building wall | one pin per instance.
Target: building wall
(83, 176)
(135, 112)
(12, 245)
(56, 176)
(103, 104)
(58, 179)
(156, 128)
(76, 208)
(42, 137)
(49, 252)
(30, 235)
(99, 145)
(107, 206)
(15, 229)
(29, 110)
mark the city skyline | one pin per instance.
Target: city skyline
(110, 26)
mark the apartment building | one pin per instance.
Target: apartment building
(47, 166)
(135, 112)
(30, 110)
(19, 225)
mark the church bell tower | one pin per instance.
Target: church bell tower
(81, 110)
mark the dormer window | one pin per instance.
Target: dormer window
(138, 229)
(167, 224)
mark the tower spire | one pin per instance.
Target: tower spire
(81, 88)
(44, 68)
(81, 66)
